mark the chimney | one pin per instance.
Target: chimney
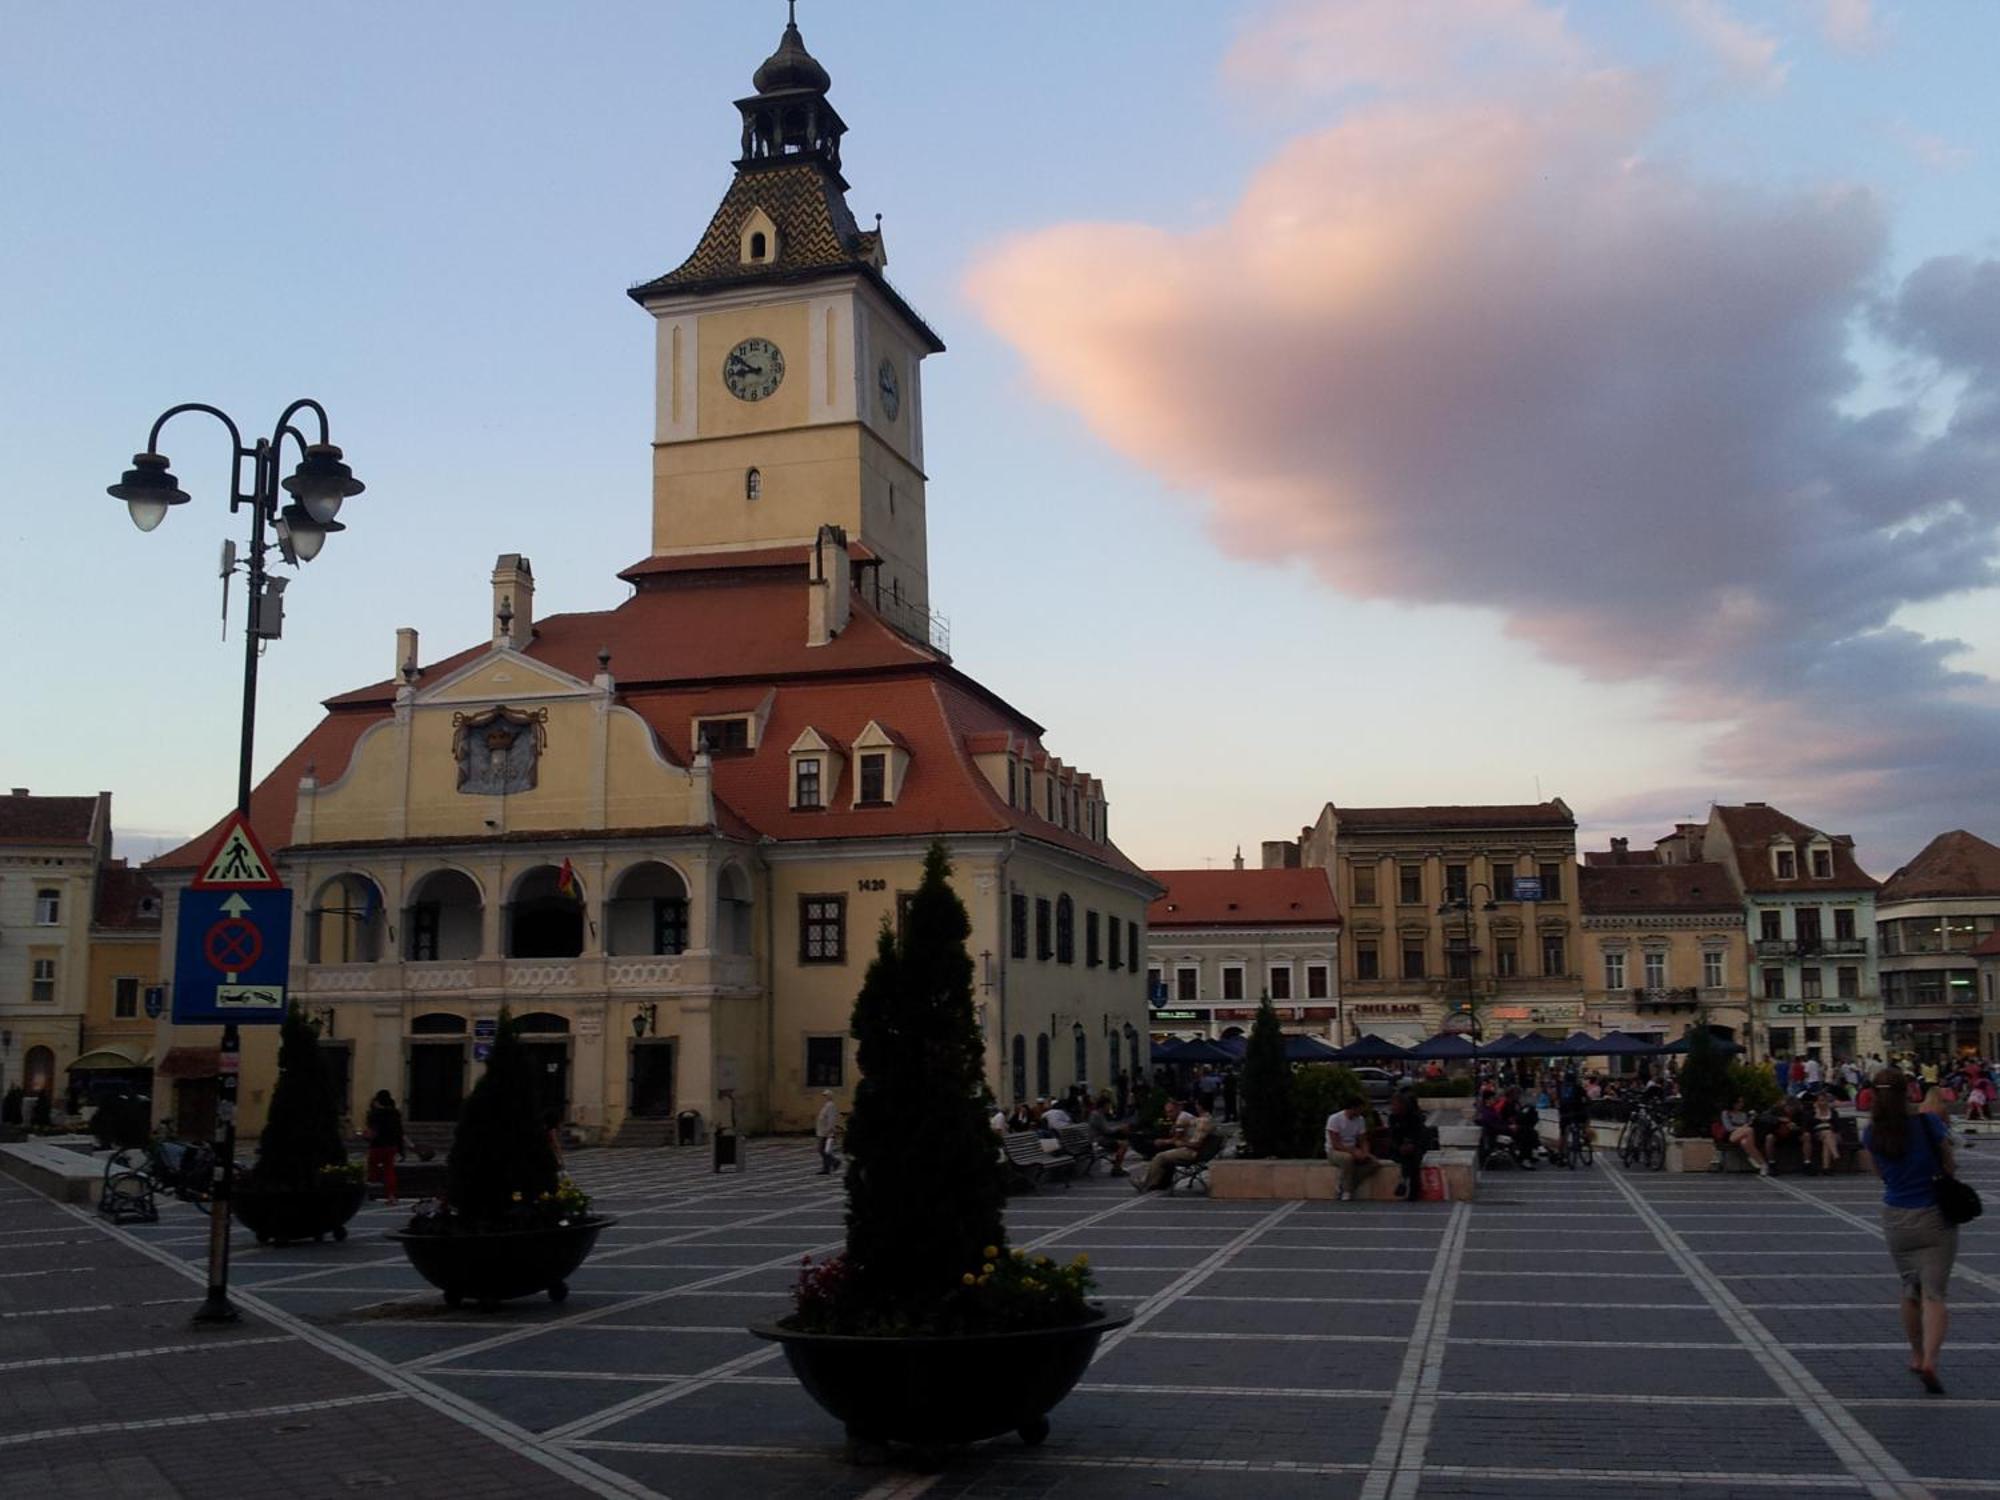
(1239, 856)
(513, 601)
(1281, 854)
(830, 597)
(1619, 848)
(20, 791)
(406, 655)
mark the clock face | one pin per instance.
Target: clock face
(754, 370)
(891, 389)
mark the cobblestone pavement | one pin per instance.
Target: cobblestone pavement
(1697, 1337)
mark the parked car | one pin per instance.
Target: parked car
(1379, 1082)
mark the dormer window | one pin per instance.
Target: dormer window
(815, 771)
(714, 735)
(1822, 863)
(759, 245)
(753, 485)
(881, 762)
(874, 779)
(1786, 863)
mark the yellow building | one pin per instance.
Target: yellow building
(51, 849)
(124, 965)
(665, 835)
(1667, 946)
(1460, 916)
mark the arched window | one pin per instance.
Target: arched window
(753, 482)
(648, 911)
(1082, 1057)
(1020, 1068)
(1065, 930)
(760, 245)
(1132, 1045)
(1042, 1065)
(438, 1023)
(345, 923)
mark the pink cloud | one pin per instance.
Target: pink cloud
(1749, 52)
(1331, 46)
(1488, 352)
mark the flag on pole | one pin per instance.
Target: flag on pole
(566, 881)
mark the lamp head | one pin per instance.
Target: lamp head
(148, 489)
(322, 481)
(301, 534)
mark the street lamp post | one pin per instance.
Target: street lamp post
(1462, 904)
(317, 486)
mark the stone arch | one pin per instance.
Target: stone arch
(647, 912)
(346, 921)
(444, 916)
(735, 905)
(544, 920)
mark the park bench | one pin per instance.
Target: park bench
(1028, 1163)
(127, 1194)
(1078, 1144)
(1194, 1174)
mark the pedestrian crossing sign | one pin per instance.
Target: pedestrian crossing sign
(237, 861)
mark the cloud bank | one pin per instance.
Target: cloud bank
(1477, 347)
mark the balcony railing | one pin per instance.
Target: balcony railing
(906, 617)
(1777, 948)
(1644, 1000)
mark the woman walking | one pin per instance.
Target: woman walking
(385, 1143)
(1909, 1152)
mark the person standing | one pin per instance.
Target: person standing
(827, 1128)
(1909, 1152)
(1409, 1136)
(385, 1143)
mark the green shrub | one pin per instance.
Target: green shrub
(924, 1184)
(1754, 1084)
(122, 1121)
(1705, 1083)
(1265, 1107)
(502, 1171)
(301, 1136)
(1319, 1089)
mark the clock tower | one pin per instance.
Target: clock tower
(789, 372)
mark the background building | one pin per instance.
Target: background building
(51, 850)
(1666, 945)
(1218, 941)
(1930, 916)
(1810, 913)
(666, 835)
(1452, 912)
(124, 964)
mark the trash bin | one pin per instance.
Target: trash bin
(726, 1148)
(689, 1133)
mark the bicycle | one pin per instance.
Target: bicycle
(1576, 1147)
(1644, 1139)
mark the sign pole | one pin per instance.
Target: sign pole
(216, 1306)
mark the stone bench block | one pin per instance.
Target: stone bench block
(1234, 1177)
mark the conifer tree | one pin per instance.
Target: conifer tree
(1266, 1105)
(1705, 1088)
(500, 1153)
(302, 1131)
(924, 1187)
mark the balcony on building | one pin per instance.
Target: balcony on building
(1666, 1001)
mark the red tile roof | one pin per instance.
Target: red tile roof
(688, 646)
(1551, 814)
(750, 559)
(1243, 898)
(46, 820)
(1611, 857)
(1952, 864)
(121, 892)
(1751, 827)
(1618, 890)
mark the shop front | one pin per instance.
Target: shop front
(1404, 1022)
(1831, 1031)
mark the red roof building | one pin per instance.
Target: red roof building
(665, 834)
(1931, 917)
(1219, 941)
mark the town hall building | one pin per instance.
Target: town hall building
(665, 835)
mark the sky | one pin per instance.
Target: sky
(1375, 401)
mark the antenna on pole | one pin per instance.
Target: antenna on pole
(228, 571)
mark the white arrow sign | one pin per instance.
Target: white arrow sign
(236, 905)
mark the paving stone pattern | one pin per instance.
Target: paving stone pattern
(1699, 1337)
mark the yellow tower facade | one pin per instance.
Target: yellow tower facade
(789, 373)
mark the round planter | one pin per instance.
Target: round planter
(284, 1216)
(490, 1268)
(941, 1389)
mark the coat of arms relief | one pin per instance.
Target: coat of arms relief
(498, 751)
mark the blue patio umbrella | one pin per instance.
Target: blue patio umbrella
(1447, 1047)
(1370, 1048)
(1578, 1044)
(1310, 1049)
(1618, 1044)
(1509, 1044)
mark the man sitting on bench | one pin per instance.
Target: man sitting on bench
(1347, 1147)
(1160, 1170)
